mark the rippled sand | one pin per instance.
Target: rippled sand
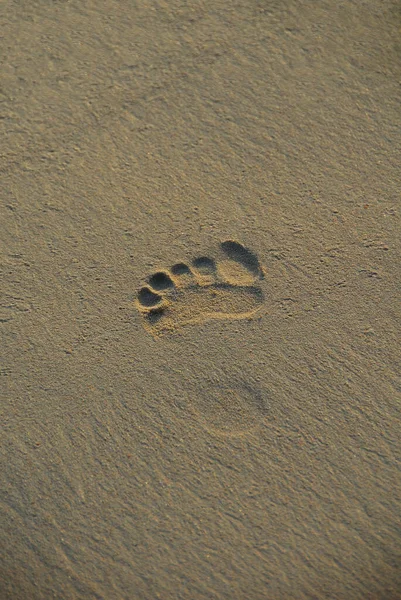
(200, 300)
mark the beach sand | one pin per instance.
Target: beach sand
(200, 308)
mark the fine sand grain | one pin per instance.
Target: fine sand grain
(200, 299)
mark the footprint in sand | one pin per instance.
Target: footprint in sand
(230, 406)
(225, 287)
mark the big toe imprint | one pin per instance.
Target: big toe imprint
(227, 287)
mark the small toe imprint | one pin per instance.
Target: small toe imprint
(180, 269)
(205, 265)
(161, 281)
(147, 298)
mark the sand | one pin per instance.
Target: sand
(200, 230)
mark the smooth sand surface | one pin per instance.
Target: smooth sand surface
(200, 299)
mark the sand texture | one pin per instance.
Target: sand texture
(200, 300)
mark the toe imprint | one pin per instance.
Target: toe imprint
(161, 281)
(180, 269)
(222, 288)
(205, 265)
(148, 298)
(244, 257)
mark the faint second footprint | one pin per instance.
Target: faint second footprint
(228, 406)
(223, 287)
